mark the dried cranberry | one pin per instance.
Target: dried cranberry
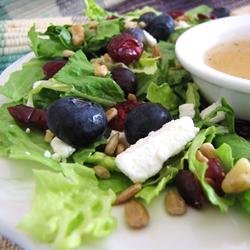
(125, 48)
(176, 13)
(215, 172)
(189, 188)
(52, 67)
(29, 116)
(123, 109)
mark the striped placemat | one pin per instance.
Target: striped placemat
(13, 33)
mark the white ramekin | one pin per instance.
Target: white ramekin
(191, 49)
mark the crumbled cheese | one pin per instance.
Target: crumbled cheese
(151, 41)
(220, 116)
(145, 158)
(27, 130)
(62, 149)
(181, 24)
(187, 109)
(47, 154)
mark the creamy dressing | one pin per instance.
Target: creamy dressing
(232, 57)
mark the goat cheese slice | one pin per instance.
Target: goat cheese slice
(61, 149)
(145, 158)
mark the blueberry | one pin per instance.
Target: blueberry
(137, 33)
(143, 119)
(147, 17)
(221, 12)
(161, 27)
(125, 78)
(75, 121)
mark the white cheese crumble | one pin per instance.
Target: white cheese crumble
(47, 154)
(220, 116)
(27, 130)
(187, 109)
(151, 41)
(181, 24)
(61, 149)
(145, 158)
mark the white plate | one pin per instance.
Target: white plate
(204, 229)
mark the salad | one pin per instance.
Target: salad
(114, 119)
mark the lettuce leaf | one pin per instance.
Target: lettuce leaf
(94, 11)
(229, 116)
(152, 189)
(192, 95)
(17, 144)
(45, 47)
(20, 82)
(200, 9)
(69, 210)
(98, 38)
(117, 183)
(244, 200)
(146, 64)
(99, 158)
(46, 93)
(79, 74)
(240, 147)
(164, 95)
(83, 154)
(138, 12)
(199, 168)
(224, 153)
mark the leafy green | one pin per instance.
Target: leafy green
(146, 64)
(143, 82)
(61, 34)
(199, 168)
(83, 154)
(240, 147)
(46, 93)
(177, 33)
(201, 9)
(192, 95)
(177, 76)
(79, 74)
(224, 153)
(168, 58)
(17, 144)
(98, 38)
(45, 47)
(138, 12)
(164, 95)
(99, 158)
(244, 200)
(149, 191)
(229, 116)
(94, 11)
(69, 211)
(20, 82)
(117, 183)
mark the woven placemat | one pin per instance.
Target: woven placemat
(72, 7)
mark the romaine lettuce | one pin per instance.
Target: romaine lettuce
(21, 82)
(69, 210)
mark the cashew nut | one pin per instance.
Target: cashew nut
(77, 32)
(238, 178)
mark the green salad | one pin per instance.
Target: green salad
(114, 118)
